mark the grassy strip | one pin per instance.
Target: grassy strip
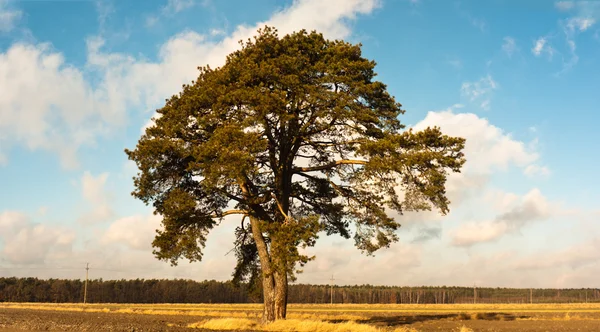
(289, 325)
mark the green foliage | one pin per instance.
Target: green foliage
(296, 133)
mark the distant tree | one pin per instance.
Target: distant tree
(295, 135)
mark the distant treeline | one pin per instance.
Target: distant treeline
(189, 291)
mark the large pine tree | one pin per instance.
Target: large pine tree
(293, 134)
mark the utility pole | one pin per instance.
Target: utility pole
(531, 295)
(87, 269)
(332, 288)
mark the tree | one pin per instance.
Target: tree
(296, 136)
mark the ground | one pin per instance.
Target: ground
(364, 318)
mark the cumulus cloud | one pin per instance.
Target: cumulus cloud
(26, 242)
(94, 192)
(64, 113)
(480, 91)
(533, 206)
(488, 148)
(500, 200)
(69, 112)
(135, 232)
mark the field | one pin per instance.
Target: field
(301, 317)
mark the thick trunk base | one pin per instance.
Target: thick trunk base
(269, 299)
(281, 295)
(275, 292)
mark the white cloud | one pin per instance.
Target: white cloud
(477, 232)
(580, 23)
(500, 200)
(584, 15)
(8, 17)
(509, 46)
(94, 192)
(68, 112)
(488, 148)
(533, 207)
(480, 91)
(540, 46)
(135, 232)
(64, 113)
(26, 242)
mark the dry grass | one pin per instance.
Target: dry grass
(228, 324)
(465, 329)
(296, 325)
(405, 329)
(288, 325)
(178, 310)
(310, 317)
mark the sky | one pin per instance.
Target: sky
(79, 80)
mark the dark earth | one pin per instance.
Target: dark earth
(42, 320)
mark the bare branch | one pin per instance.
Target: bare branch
(330, 165)
(332, 143)
(228, 212)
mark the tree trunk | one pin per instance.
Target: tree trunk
(281, 294)
(267, 272)
(269, 295)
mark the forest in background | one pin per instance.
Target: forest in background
(190, 291)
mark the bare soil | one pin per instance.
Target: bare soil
(490, 322)
(13, 320)
(42, 320)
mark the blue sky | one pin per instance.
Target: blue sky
(80, 79)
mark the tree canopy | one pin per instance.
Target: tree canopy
(296, 136)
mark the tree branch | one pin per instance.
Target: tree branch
(228, 212)
(330, 165)
(331, 143)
